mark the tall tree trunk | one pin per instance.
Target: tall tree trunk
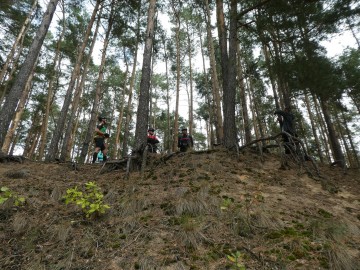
(323, 133)
(142, 118)
(334, 142)
(79, 88)
(168, 124)
(271, 76)
(19, 112)
(209, 130)
(252, 108)
(191, 103)
(242, 93)
(13, 69)
(178, 69)
(339, 130)
(129, 111)
(54, 145)
(16, 43)
(116, 150)
(219, 129)
(355, 100)
(353, 148)
(313, 128)
(228, 65)
(283, 94)
(348, 22)
(9, 107)
(50, 93)
(14, 142)
(33, 133)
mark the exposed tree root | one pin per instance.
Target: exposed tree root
(11, 158)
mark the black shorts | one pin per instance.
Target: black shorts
(100, 142)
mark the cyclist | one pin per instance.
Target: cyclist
(99, 139)
(152, 140)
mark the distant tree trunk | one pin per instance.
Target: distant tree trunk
(242, 93)
(70, 145)
(355, 100)
(334, 142)
(14, 142)
(252, 108)
(17, 41)
(142, 118)
(353, 148)
(33, 134)
(79, 88)
(178, 69)
(218, 120)
(348, 22)
(271, 76)
(168, 124)
(339, 130)
(31, 154)
(323, 132)
(209, 130)
(284, 97)
(129, 103)
(116, 149)
(9, 107)
(310, 113)
(50, 93)
(54, 145)
(191, 103)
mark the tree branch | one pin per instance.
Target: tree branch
(243, 12)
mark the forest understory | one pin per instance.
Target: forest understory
(210, 210)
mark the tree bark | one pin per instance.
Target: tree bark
(178, 70)
(228, 64)
(8, 110)
(142, 118)
(16, 43)
(50, 94)
(334, 142)
(19, 112)
(116, 149)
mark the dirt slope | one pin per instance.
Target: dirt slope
(191, 212)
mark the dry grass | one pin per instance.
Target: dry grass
(187, 214)
(20, 223)
(339, 258)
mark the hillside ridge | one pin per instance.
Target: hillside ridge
(194, 211)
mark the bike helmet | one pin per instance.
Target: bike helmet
(100, 118)
(183, 128)
(151, 129)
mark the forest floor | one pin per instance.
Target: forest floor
(210, 210)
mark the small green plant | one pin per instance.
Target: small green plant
(6, 193)
(236, 260)
(225, 204)
(91, 201)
